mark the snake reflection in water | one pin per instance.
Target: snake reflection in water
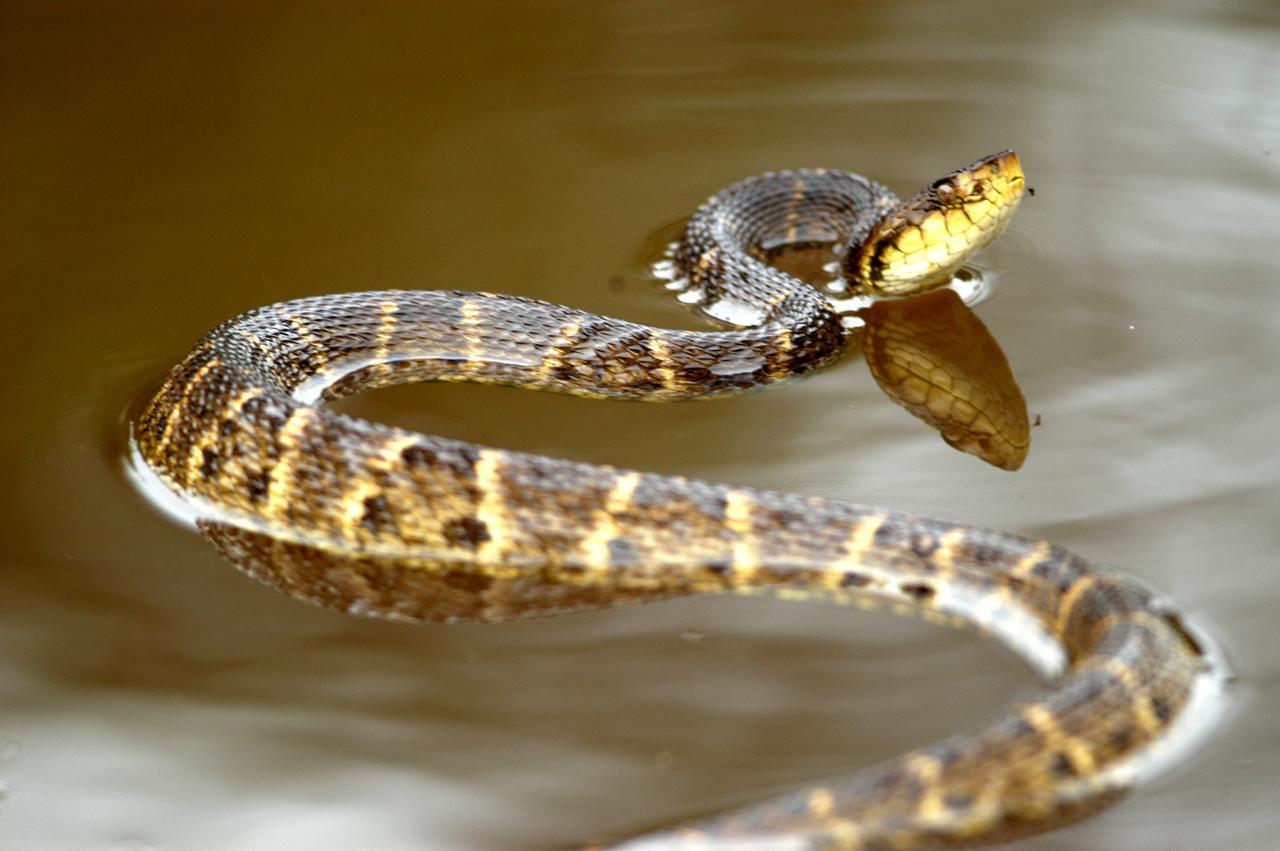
(385, 522)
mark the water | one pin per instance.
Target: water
(164, 168)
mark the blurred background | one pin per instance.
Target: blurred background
(165, 166)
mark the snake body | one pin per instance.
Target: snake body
(381, 521)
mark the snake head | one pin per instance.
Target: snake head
(923, 241)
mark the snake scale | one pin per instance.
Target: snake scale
(381, 521)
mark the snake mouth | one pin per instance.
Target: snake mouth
(922, 242)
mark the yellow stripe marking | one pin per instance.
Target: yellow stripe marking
(264, 351)
(387, 323)
(793, 207)
(1127, 676)
(928, 770)
(352, 509)
(984, 810)
(944, 557)
(738, 506)
(1046, 724)
(492, 511)
(1147, 718)
(1142, 711)
(210, 436)
(783, 344)
(821, 803)
(1028, 562)
(846, 833)
(656, 343)
(859, 542)
(171, 419)
(386, 460)
(704, 263)
(554, 357)
(304, 332)
(471, 327)
(1069, 599)
(778, 298)
(595, 547)
(1122, 672)
(620, 495)
(280, 483)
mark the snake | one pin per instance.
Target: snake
(380, 521)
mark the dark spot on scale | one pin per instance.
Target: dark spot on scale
(889, 535)
(634, 343)
(923, 544)
(621, 551)
(1014, 583)
(853, 579)
(1162, 710)
(723, 567)
(466, 530)
(460, 458)
(1031, 190)
(957, 801)
(917, 590)
(418, 455)
(263, 411)
(377, 514)
(787, 519)
(310, 362)
(566, 372)
(472, 583)
(1022, 729)
(256, 484)
(210, 463)
(1063, 766)
(1121, 739)
(695, 374)
(1060, 567)
(202, 401)
(1092, 689)
(1044, 569)
(948, 756)
(983, 554)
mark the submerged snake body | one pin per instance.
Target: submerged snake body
(381, 521)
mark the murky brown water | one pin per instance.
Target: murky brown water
(164, 169)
